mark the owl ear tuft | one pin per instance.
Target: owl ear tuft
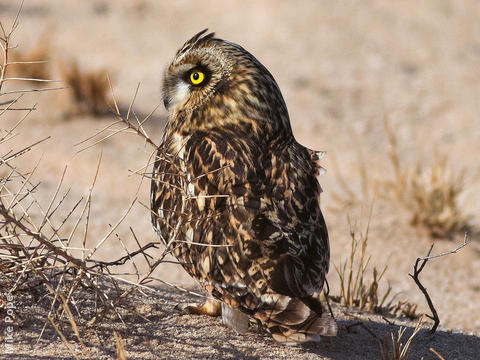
(196, 40)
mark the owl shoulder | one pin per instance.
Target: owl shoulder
(219, 152)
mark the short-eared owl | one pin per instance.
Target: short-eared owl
(236, 197)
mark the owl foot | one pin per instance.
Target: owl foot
(210, 307)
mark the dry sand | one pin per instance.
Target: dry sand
(168, 335)
(342, 67)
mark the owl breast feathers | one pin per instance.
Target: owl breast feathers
(235, 196)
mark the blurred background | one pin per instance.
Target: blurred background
(391, 90)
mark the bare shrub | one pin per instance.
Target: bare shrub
(89, 89)
(38, 252)
(434, 199)
(430, 193)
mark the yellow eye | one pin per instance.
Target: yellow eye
(197, 77)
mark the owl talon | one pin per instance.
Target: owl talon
(210, 307)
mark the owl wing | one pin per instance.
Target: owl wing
(293, 226)
(270, 248)
(264, 208)
(247, 225)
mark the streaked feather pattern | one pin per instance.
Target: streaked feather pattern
(237, 196)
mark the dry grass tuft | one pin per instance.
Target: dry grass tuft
(356, 291)
(434, 200)
(89, 89)
(392, 348)
(430, 193)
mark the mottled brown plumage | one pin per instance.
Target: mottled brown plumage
(236, 196)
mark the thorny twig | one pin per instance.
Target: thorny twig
(128, 125)
(32, 249)
(417, 269)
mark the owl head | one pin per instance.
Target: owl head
(215, 83)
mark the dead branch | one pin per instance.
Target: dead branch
(417, 269)
(124, 259)
(448, 252)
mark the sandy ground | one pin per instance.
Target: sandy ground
(342, 67)
(160, 332)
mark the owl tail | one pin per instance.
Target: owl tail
(294, 320)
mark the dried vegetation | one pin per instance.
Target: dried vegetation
(90, 90)
(51, 256)
(391, 346)
(362, 292)
(430, 193)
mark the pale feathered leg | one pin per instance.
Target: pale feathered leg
(234, 319)
(210, 307)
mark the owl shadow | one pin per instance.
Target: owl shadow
(363, 340)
